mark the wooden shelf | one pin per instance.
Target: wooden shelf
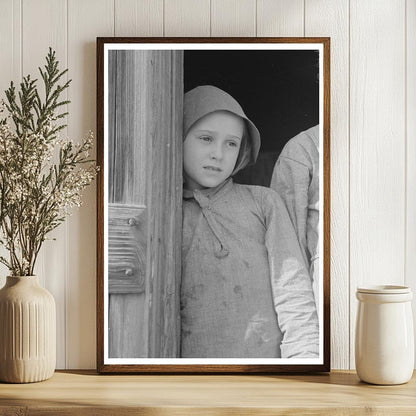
(87, 393)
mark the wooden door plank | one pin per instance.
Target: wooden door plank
(125, 311)
(131, 135)
(147, 172)
(130, 74)
(165, 205)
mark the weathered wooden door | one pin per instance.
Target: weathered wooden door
(144, 195)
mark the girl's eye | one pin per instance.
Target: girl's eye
(206, 138)
(232, 144)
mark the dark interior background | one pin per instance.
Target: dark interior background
(278, 90)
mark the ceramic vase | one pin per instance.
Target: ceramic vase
(384, 340)
(27, 331)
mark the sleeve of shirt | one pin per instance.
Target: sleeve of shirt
(291, 180)
(291, 285)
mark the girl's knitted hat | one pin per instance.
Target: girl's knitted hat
(206, 99)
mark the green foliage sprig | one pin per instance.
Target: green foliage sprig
(37, 191)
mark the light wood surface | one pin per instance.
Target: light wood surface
(84, 392)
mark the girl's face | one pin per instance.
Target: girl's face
(211, 149)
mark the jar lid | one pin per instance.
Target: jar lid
(384, 289)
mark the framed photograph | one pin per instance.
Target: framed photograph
(213, 210)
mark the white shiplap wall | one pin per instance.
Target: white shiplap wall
(373, 132)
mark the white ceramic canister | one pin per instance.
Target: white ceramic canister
(384, 337)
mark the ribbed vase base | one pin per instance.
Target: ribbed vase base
(26, 371)
(27, 331)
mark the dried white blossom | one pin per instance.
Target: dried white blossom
(42, 176)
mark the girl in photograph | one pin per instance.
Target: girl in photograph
(245, 290)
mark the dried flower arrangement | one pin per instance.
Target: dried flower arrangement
(37, 193)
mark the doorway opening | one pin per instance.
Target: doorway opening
(278, 90)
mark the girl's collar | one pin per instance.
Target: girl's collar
(210, 193)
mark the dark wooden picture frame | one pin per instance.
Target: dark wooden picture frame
(143, 207)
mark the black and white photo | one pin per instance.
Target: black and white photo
(213, 205)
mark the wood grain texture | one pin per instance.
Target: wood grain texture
(164, 189)
(127, 239)
(138, 17)
(86, 19)
(233, 18)
(85, 393)
(37, 38)
(330, 18)
(377, 147)
(129, 135)
(129, 138)
(100, 204)
(146, 171)
(281, 18)
(410, 278)
(126, 311)
(187, 18)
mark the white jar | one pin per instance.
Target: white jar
(384, 340)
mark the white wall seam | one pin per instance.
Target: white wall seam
(67, 230)
(210, 18)
(304, 18)
(405, 281)
(21, 40)
(349, 184)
